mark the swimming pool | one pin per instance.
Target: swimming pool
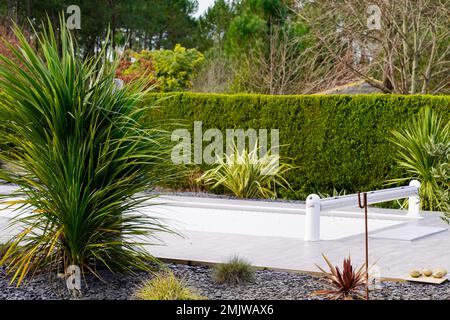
(260, 218)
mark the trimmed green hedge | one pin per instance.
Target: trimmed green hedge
(337, 141)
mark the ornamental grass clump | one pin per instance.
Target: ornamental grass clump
(234, 272)
(247, 174)
(165, 286)
(414, 156)
(82, 156)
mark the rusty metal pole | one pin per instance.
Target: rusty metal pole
(364, 206)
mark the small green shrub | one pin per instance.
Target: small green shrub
(234, 272)
(247, 175)
(414, 157)
(175, 69)
(166, 286)
(168, 70)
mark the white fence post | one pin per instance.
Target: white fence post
(414, 200)
(312, 223)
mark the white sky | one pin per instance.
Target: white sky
(202, 6)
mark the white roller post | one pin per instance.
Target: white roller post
(312, 223)
(414, 200)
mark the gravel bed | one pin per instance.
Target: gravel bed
(267, 285)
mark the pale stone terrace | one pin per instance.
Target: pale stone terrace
(394, 257)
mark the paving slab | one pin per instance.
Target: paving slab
(407, 233)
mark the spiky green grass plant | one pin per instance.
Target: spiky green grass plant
(247, 174)
(235, 271)
(441, 173)
(83, 157)
(413, 155)
(165, 286)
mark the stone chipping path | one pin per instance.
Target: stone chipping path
(267, 285)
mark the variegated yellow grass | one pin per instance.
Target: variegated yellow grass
(247, 174)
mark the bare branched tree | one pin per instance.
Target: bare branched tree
(276, 69)
(405, 44)
(216, 74)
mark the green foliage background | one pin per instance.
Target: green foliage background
(172, 70)
(336, 141)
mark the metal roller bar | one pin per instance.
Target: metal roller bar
(372, 197)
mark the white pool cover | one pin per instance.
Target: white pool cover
(266, 224)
